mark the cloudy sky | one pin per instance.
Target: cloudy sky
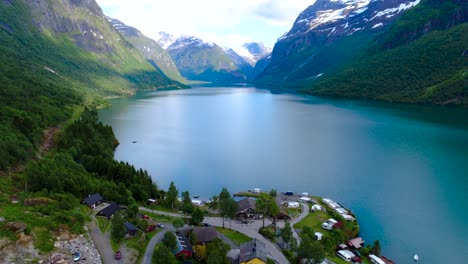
(228, 23)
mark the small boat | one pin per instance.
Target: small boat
(134, 142)
(196, 196)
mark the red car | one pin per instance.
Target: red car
(145, 217)
(118, 255)
(151, 228)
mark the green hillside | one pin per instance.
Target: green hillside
(432, 69)
(48, 68)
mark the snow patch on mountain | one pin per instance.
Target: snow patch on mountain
(392, 11)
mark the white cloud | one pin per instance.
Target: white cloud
(219, 21)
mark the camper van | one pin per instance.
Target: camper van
(327, 226)
(376, 260)
(345, 254)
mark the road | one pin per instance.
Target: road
(102, 242)
(154, 240)
(250, 229)
(296, 220)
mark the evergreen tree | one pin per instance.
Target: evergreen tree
(376, 248)
(197, 216)
(171, 195)
(187, 205)
(118, 227)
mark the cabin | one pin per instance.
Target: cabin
(131, 229)
(304, 194)
(282, 215)
(356, 243)
(183, 248)
(246, 208)
(256, 190)
(109, 211)
(93, 200)
(253, 252)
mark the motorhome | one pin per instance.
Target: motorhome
(345, 254)
(376, 260)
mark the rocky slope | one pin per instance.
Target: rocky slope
(202, 61)
(152, 51)
(241, 63)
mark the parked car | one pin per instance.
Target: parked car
(118, 255)
(151, 228)
(145, 217)
(76, 256)
(205, 224)
(356, 259)
(160, 225)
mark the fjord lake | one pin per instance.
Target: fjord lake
(401, 169)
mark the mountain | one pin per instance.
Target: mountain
(202, 61)
(241, 63)
(165, 39)
(253, 52)
(421, 58)
(152, 51)
(326, 35)
(56, 56)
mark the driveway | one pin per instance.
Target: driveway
(154, 240)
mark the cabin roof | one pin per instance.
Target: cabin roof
(92, 199)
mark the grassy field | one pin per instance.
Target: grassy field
(139, 244)
(103, 224)
(313, 220)
(236, 237)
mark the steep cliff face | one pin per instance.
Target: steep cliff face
(152, 51)
(241, 63)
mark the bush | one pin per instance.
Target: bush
(268, 233)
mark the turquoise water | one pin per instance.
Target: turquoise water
(403, 170)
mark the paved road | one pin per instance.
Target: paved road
(154, 240)
(250, 229)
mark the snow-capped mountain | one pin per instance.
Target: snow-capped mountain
(205, 61)
(241, 62)
(336, 18)
(165, 39)
(253, 52)
(152, 51)
(328, 33)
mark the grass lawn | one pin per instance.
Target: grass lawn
(313, 220)
(236, 237)
(103, 224)
(158, 207)
(140, 244)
